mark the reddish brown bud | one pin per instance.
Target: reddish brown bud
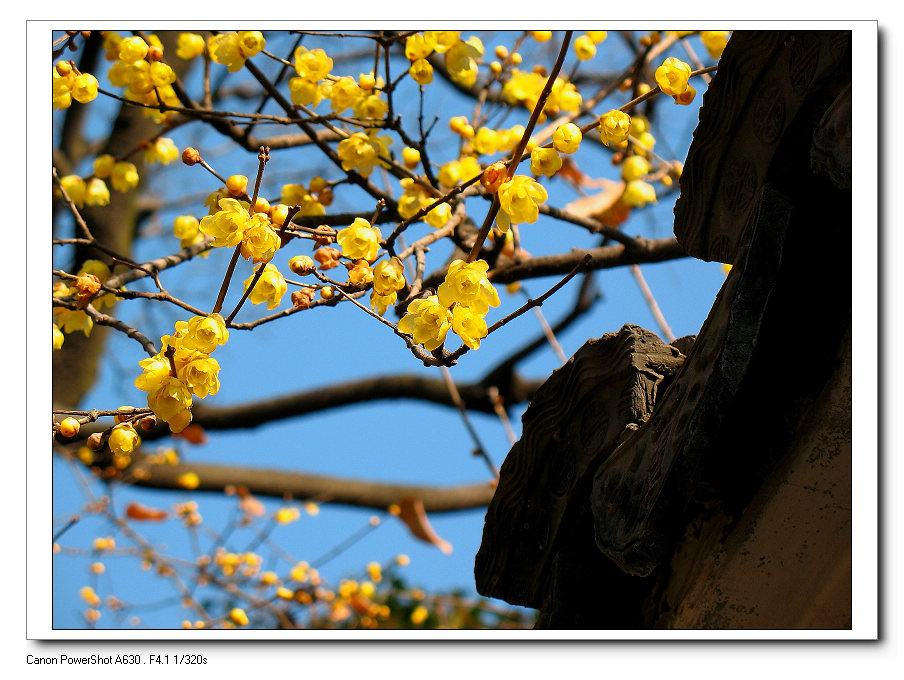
(191, 156)
(148, 423)
(95, 441)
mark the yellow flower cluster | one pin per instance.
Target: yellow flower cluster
(233, 225)
(461, 303)
(69, 85)
(362, 151)
(414, 197)
(71, 320)
(163, 150)
(123, 175)
(93, 192)
(524, 87)
(139, 68)
(231, 49)
(171, 382)
(457, 171)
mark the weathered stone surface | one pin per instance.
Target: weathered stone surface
(574, 420)
(766, 80)
(640, 492)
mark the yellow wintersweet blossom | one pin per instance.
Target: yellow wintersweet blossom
(124, 176)
(614, 127)
(163, 151)
(461, 60)
(270, 288)
(584, 48)
(634, 168)
(466, 283)
(75, 188)
(188, 480)
(251, 43)
(442, 41)
(457, 171)
(428, 321)
(468, 325)
(421, 71)
(414, 197)
(714, 42)
(205, 333)
(233, 48)
(380, 303)
(389, 276)
(359, 240)
(518, 201)
(687, 96)
(286, 515)
(227, 226)
(186, 229)
(88, 595)
(370, 106)
(71, 320)
(312, 65)
(260, 241)
(638, 193)
(189, 46)
(132, 49)
(418, 47)
(567, 138)
(154, 371)
(305, 92)
(419, 615)
(238, 617)
(58, 337)
(201, 375)
(362, 151)
(672, 76)
(84, 88)
(171, 401)
(545, 161)
(96, 192)
(344, 93)
(123, 439)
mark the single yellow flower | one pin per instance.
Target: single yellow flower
(518, 201)
(545, 161)
(123, 439)
(466, 283)
(672, 76)
(312, 65)
(270, 288)
(567, 138)
(428, 321)
(189, 46)
(468, 325)
(227, 226)
(359, 240)
(638, 193)
(260, 241)
(614, 127)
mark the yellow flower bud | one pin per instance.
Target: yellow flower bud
(69, 427)
(237, 185)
